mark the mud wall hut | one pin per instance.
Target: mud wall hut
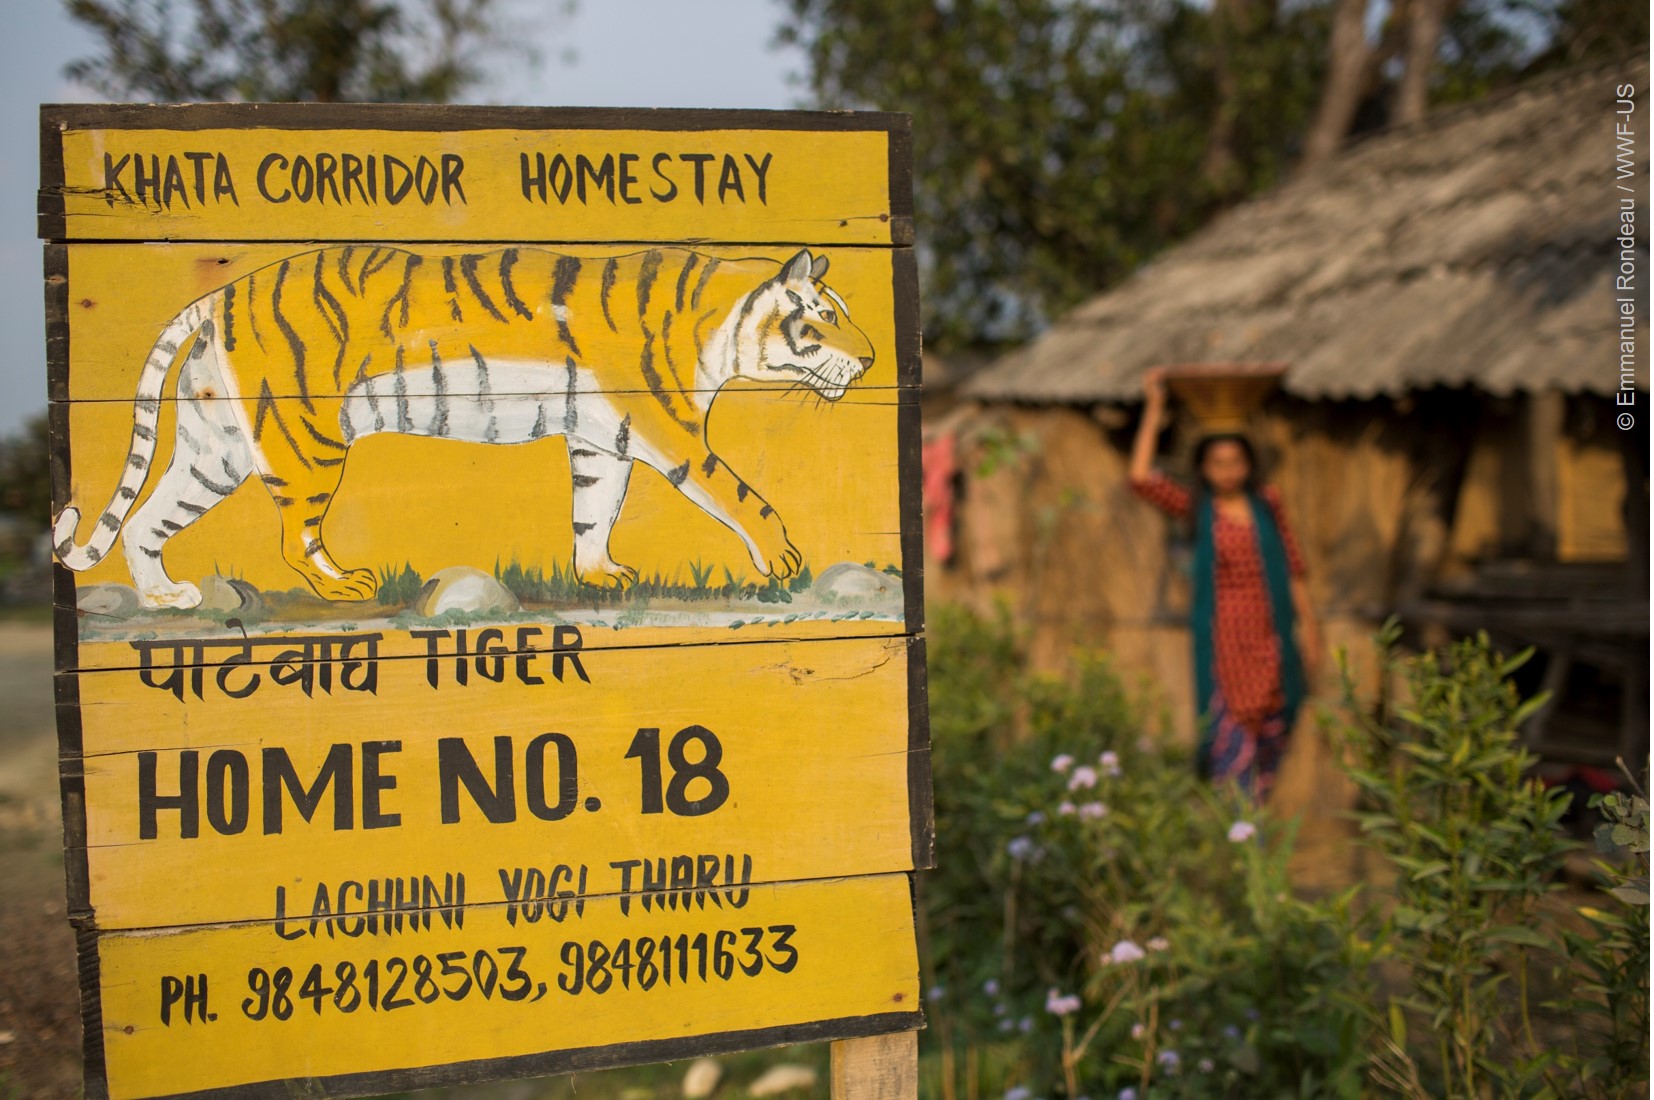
(1445, 436)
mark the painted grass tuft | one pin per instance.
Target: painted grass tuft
(398, 588)
(559, 586)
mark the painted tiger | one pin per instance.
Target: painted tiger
(285, 368)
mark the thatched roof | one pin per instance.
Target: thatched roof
(1476, 247)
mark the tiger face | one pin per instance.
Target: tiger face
(807, 337)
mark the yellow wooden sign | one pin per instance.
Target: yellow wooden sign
(489, 575)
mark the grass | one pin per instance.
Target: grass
(560, 586)
(398, 589)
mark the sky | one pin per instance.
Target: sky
(608, 53)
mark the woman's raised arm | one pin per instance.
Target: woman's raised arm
(1148, 429)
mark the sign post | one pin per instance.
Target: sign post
(489, 612)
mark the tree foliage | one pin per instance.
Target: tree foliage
(286, 50)
(25, 471)
(1058, 144)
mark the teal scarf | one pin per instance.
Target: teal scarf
(1203, 612)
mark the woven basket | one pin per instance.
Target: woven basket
(1222, 396)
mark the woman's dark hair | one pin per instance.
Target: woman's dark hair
(1207, 442)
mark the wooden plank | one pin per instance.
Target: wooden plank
(523, 303)
(826, 952)
(588, 749)
(878, 1067)
(498, 175)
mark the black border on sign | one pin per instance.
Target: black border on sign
(66, 686)
(578, 1060)
(55, 118)
(55, 266)
(94, 1073)
(921, 809)
(72, 790)
(904, 269)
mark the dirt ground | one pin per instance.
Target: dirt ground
(39, 998)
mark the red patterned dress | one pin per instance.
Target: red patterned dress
(1245, 651)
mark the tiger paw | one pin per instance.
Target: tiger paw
(607, 574)
(356, 585)
(780, 560)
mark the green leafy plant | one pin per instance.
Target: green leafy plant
(1607, 961)
(1101, 919)
(1002, 448)
(1624, 829)
(1474, 841)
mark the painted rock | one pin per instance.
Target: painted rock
(117, 601)
(461, 588)
(228, 594)
(848, 581)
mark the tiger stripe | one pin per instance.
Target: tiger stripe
(468, 269)
(399, 390)
(373, 265)
(252, 312)
(646, 280)
(571, 407)
(439, 380)
(229, 317)
(657, 386)
(344, 267)
(563, 278)
(610, 270)
(666, 349)
(507, 258)
(295, 343)
(267, 407)
(683, 278)
(400, 297)
(448, 284)
(700, 284)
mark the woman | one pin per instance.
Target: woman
(1248, 593)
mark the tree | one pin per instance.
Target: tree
(25, 471)
(1425, 53)
(1059, 143)
(286, 50)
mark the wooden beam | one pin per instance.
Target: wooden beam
(1634, 717)
(1543, 431)
(880, 1067)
